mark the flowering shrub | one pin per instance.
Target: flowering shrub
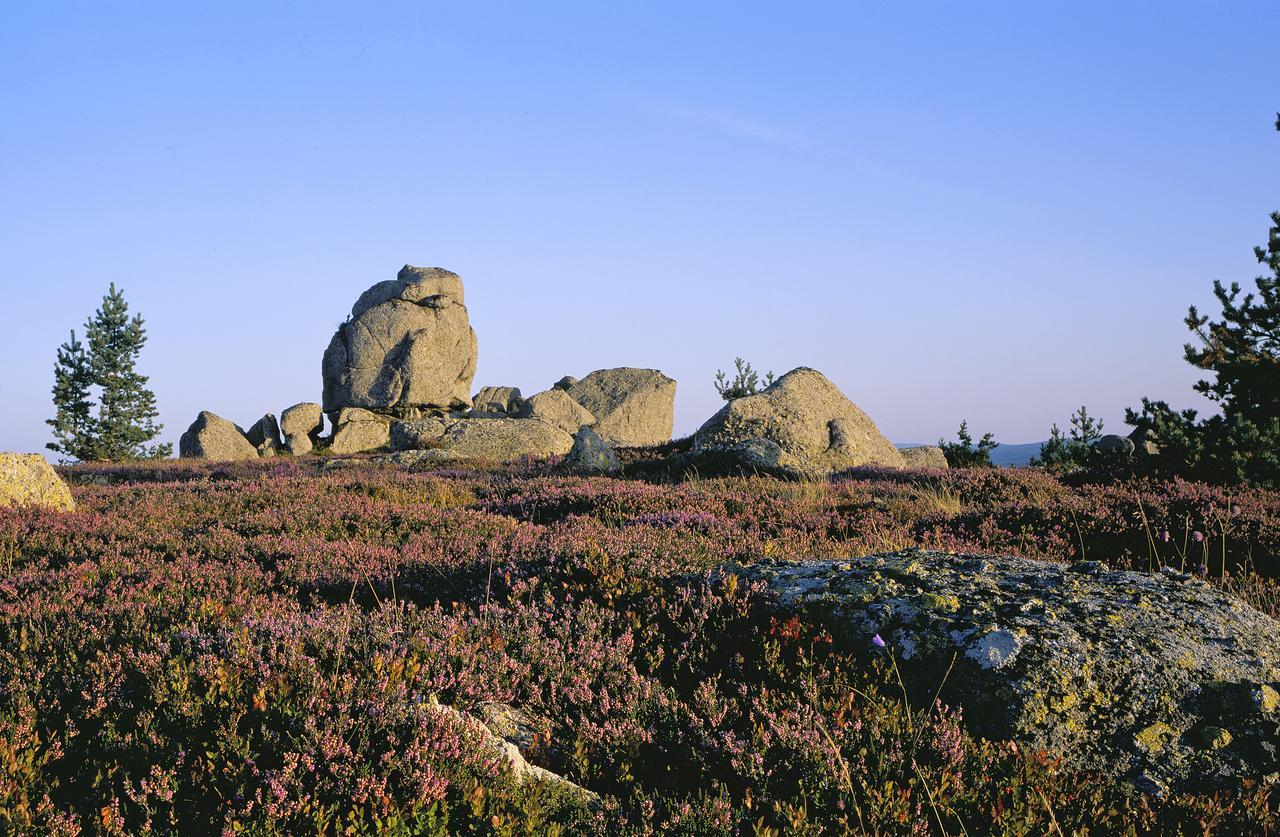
(261, 648)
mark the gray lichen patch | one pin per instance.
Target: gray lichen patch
(1158, 677)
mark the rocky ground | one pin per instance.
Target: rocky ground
(434, 645)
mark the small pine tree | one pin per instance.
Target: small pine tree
(126, 415)
(745, 382)
(1074, 449)
(964, 453)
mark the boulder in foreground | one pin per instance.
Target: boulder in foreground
(212, 437)
(591, 455)
(808, 418)
(1159, 678)
(27, 480)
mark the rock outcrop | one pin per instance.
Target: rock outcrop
(212, 437)
(808, 418)
(408, 347)
(301, 425)
(28, 481)
(632, 407)
(416, 434)
(924, 456)
(591, 455)
(505, 440)
(357, 430)
(1160, 678)
(555, 406)
(496, 402)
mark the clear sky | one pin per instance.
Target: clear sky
(992, 211)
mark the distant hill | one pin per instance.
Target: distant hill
(1005, 456)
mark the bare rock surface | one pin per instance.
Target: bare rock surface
(808, 418)
(497, 402)
(924, 456)
(555, 406)
(1160, 678)
(408, 346)
(357, 430)
(416, 434)
(212, 437)
(264, 435)
(632, 406)
(28, 481)
(301, 425)
(505, 440)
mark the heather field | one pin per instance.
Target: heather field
(263, 648)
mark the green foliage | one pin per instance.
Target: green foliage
(1241, 353)
(126, 408)
(964, 453)
(1072, 450)
(745, 381)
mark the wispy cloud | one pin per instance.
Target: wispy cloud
(741, 127)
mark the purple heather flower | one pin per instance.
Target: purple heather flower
(1197, 536)
(877, 641)
(1164, 536)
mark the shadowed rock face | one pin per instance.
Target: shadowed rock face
(1159, 678)
(808, 418)
(408, 346)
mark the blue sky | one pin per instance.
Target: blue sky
(991, 211)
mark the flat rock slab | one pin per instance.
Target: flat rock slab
(505, 440)
(1160, 678)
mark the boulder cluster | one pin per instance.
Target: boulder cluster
(397, 378)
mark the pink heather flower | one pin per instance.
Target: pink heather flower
(1197, 536)
(1164, 536)
(877, 641)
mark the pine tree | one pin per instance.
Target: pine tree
(125, 421)
(73, 426)
(966, 454)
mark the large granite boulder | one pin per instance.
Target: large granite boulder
(504, 440)
(212, 437)
(632, 407)
(806, 416)
(924, 456)
(408, 346)
(1160, 678)
(555, 406)
(301, 425)
(28, 481)
(591, 455)
(357, 430)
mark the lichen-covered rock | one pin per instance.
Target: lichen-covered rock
(505, 440)
(212, 437)
(265, 436)
(416, 434)
(632, 407)
(357, 430)
(496, 402)
(301, 425)
(27, 480)
(408, 346)
(555, 406)
(1160, 678)
(425, 458)
(809, 418)
(924, 456)
(591, 455)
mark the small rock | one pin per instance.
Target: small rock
(566, 382)
(27, 480)
(497, 402)
(591, 455)
(924, 456)
(1114, 446)
(358, 430)
(265, 436)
